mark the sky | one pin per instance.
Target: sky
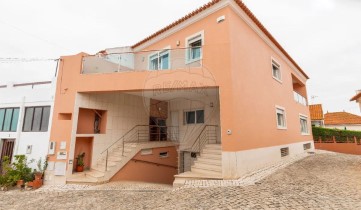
(323, 36)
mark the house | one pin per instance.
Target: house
(25, 119)
(211, 96)
(357, 98)
(316, 114)
(343, 120)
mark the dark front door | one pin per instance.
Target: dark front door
(6, 150)
(157, 129)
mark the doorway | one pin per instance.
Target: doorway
(157, 129)
(7, 148)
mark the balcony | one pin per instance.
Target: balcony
(118, 60)
(299, 91)
(299, 98)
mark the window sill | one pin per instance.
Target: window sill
(278, 80)
(193, 60)
(281, 128)
(305, 134)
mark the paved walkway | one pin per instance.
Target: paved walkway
(321, 181)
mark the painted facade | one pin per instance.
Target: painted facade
(217, 68)
(25, 119)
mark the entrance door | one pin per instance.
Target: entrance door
(6, 150)
(157, 129)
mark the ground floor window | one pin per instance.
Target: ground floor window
(304, 125)
(194, 117)
(281, 118)
(9, 119)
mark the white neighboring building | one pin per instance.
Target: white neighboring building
(343, 121)
(25, 119)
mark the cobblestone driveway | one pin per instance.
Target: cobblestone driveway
(321, 181)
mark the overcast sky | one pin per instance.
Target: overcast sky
(323, 36)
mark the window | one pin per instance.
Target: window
(9, 119)
(159, 60)
(194, 45)
(304, 126)
(285, 151)
(194, 117)
(276, 71)
(307, 146)
(281, 118)
(36, 119)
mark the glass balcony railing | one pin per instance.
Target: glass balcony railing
(164, 59)
(299, 98)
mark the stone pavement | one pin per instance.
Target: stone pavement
(321, 181)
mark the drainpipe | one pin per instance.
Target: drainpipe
(19, 127)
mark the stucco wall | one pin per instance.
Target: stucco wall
(149, 171)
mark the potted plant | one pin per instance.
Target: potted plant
(20, 172)
(39, 173)
(80, 162)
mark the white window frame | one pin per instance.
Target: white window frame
(304, 117)
(278, 109)
(190, 39)
(274, 62)
(158, 54)
(195, 116)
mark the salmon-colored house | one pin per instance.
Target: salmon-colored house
(211, 96)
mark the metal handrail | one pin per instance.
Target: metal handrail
(121, 138)
(198, 139)
(135, 137)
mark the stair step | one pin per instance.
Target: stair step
(109, 164)
(189, 175)
(217, 162)
(115, 158)
(208, 167)
(211, 156)
(213, 146)
(211, 151)
(95, 174)
(206, 172)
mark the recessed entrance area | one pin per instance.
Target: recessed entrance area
(83, 145)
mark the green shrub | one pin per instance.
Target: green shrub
(341, 136)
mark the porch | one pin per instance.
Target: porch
(116, 130)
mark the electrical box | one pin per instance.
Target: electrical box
(52, 148)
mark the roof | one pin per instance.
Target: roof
(316, 112)
(356, 97)
(341, 118)
(210, 4)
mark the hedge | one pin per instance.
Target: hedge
(341, 136)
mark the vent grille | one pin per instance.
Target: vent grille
(284, 152)
(307, 146)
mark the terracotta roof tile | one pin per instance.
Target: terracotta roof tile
(356, 97)
(337, 118)
(208, 5)
(316, 112)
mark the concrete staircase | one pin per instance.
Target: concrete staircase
(207, 166)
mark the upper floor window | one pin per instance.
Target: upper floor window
(159, 60)
(9, 119)
(194, 45)
(194, 117)
(281, 118)
(276, 71)
(304, 124)
(36, 119)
